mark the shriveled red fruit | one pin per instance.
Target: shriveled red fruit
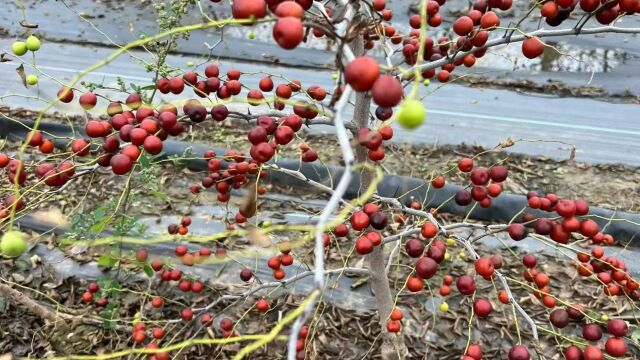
(387, 91)
(532, 47)
(288, 32)
(482, 307)
(362, 73)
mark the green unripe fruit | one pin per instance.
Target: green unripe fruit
(252, 35)
(33, 43)
(32, 79)
(19, 48)
(427, 82)
(13, 244)
(190, 63)
(411, 114)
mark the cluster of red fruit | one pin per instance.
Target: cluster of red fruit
(302, 342)
(182, 229)
(486, 183)
(373, 139)
(560, 229)
(370, 215)
(269, 134)
(557, 11)
(87, 296)
(427, 265)
(611, 272)
(17, 174)
(139, 335)
(284, 259)
(614, 346)
(394, 325)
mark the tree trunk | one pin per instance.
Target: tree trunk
(392, 346)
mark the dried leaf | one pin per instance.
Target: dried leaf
(248, 206)
(257, 237)
(3, 58)
(573, 154)
(23, 23)
(52, 216)
(508, 142)
(20, 71)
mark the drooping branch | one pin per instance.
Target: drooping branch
(541, 33)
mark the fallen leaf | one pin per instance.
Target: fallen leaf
(52, 216)
(257, 237)
(20, 71)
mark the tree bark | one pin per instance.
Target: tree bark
(392, 347)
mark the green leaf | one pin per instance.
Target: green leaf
(160, 195)
(187, 152)
(148, 87)
(147, 269)
(108, 315)
(109, 286)
(107, 261)
(144, 160)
